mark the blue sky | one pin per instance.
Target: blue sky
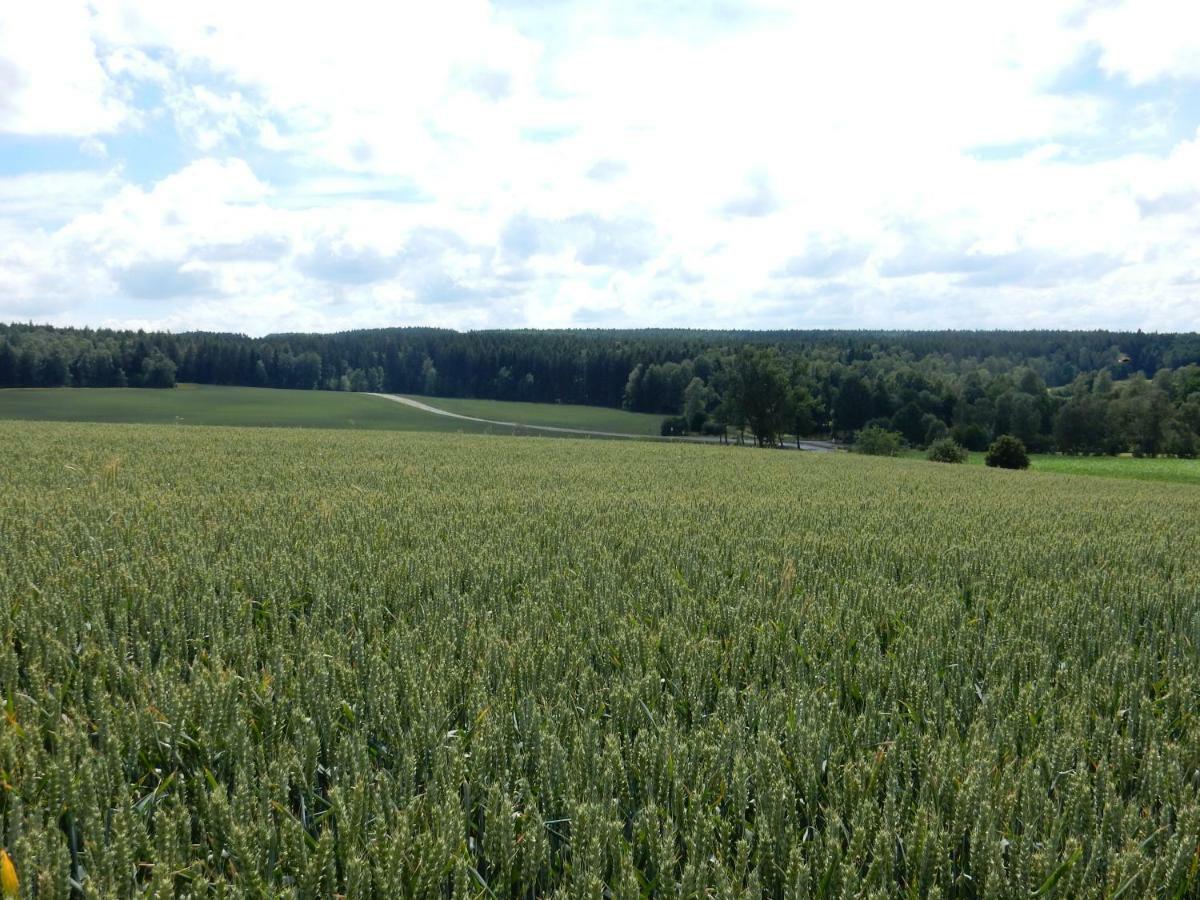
(258, 167)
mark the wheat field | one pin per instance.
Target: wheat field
(260, 662)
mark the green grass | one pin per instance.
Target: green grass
(306, 662)
(1180, 471)
(1184, 471)
(192, 404)
(591, 418)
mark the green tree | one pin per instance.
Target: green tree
(852, 405)
(307, 370)
(1081, 425)
(696, 397)
(631, 399)
(8, 365)
(802, 408)
(1181, 440)
(971, 435)
(909, 421)
(54, 370)
(935, 429)
(158, 371)
(760, 393)
(429, 377)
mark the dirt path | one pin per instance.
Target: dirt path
(556, 429)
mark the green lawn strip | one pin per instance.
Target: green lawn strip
(1179, 471)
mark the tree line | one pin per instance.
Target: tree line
(1078, 392)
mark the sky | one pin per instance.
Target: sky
(261, 167)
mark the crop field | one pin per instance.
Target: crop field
(283, 662)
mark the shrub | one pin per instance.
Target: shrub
(1007, 452)
(946, 451)
(875, 441)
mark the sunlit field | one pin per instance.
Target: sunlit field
(1182, 471)
(310, 662)
(192, 404)
(559, 415)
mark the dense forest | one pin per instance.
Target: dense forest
(1077, 392)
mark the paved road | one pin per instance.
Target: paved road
(693, 439)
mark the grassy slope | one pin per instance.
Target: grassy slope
(1181, 471)
(213, 405)
(193, 404)
(563, 415)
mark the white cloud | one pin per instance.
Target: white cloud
(51, 81)
(463, 164)
(1148, 39)
(46, 198)
(208, 118)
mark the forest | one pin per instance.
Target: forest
(1094, 392)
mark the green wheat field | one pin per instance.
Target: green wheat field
(310, 663)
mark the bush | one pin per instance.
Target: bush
(946, 451)
(877, 442)
(1007, 452)
(674, 426)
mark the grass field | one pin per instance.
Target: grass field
(1181, 471)
(262, 662)
(192, 404)
(595, 418)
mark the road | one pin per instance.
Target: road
(818, 446)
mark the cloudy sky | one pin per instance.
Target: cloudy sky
(259, 167)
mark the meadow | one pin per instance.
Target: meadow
(559, 415)
(1181, 471)
(285, 662)
(1162, 468)
(193, 404)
